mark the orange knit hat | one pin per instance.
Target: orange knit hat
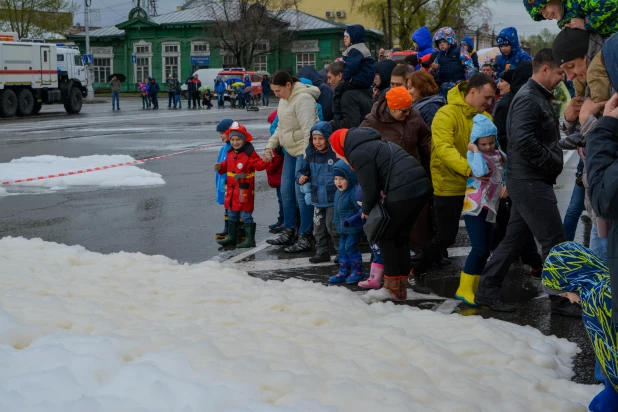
(337, 140)
(398, 98)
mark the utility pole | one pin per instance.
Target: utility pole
(89, 73)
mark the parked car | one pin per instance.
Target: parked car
(400, 55)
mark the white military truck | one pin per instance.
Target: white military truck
(33, 74)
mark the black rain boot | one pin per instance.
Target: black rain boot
(223, 234)
(249, 236)
(230, 239)
(303, 244)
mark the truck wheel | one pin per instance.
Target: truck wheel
(75, 101)
(25, 103)
(8, 103)
(37, 108)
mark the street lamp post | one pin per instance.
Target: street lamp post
(89, 73)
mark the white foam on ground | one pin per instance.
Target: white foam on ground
(32, 167)
(82, 331)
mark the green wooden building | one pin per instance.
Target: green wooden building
(178, 43)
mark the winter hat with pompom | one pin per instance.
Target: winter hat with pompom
(482, 127)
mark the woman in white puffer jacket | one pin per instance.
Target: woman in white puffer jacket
(297, 114)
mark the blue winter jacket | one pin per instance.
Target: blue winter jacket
(472, 52)
(508, 35)
(221, 179)
(346, 205)
(326, 92)
(319, 167)
(220, 85)
(360, 66)
(424, 39)
(248, 86)
(274, 125)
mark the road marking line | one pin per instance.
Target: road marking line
(260, 246)
(568, 156)
(448, 306)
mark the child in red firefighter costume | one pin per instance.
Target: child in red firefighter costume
(240, 166)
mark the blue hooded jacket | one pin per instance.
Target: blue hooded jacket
(346, 205)
(424, 39)
(319, 167)
(472, 52)
(360, 66)
(508, 36)
(220, 85)
(220, 180)
(326, 92)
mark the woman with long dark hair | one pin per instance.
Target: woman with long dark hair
(382, 166)
(297, 114)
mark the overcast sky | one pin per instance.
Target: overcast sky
(505, 13)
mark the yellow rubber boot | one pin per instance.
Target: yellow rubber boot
(477, 279)
(465, 291)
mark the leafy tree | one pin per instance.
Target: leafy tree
(409, 15)
(250, 28)
(540, 41)
(35, 18)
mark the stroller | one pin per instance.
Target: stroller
(250, 101)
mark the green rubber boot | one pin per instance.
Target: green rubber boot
(249, 236)
(230, 239)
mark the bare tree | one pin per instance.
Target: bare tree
(250, 28)
(35, 18)
(409, 15)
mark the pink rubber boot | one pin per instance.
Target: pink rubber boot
(375, 277)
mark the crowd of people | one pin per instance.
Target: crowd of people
(395, 154)
(197, 95)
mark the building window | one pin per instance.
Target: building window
(229, 60)
(260, 63)
(170, 48)
(200, 47)
(171, 66)
(102, 69)
(305, 59)
(142, 68)
(142, 49)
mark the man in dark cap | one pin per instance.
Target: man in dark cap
(535, 161)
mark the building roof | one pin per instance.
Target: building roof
(297, 20)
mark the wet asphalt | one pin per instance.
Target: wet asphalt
(179, 219)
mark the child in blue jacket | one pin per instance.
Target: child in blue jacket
(222, 127)
(317, 175)
(511, 53)
(346, 206)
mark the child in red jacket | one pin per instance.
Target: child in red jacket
(273, 172)
(240, 166)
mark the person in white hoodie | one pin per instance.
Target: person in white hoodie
(297, 114)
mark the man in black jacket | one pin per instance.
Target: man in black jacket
(534, 163)
(354, 104)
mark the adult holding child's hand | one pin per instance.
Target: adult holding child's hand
(297, 113)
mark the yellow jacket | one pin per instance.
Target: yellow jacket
(451, 129)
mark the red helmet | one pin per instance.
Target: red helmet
(236, 129)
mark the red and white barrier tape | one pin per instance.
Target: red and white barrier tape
(99, 168)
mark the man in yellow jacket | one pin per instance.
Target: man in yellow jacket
(451, 128)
